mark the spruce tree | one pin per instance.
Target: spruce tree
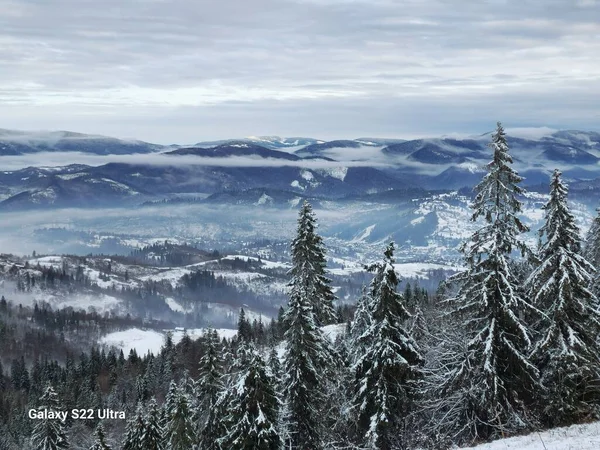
(360, 323)
(49, 434)
(308, 358)
(179, 428)
(244, 328)
(308, 267)
(152, 437)
(567, 353)
(591, 252)
(254, 409)
(388, 366)
(486, 392)
(209, 387)
(100, 439)
(134, 430)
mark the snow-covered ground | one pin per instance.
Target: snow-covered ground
(576, 437)
(144, 341)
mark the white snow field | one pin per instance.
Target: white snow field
(144, 341)
(575, 437)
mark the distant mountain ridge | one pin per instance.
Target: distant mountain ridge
(13, 142)
(292, 166)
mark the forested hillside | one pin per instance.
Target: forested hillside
(507, 346)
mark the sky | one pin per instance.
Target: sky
(180, 71)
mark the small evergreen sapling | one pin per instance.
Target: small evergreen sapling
(100, 439)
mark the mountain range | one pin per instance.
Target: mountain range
(246, 170)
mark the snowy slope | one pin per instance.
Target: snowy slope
(576, 437)
(144, 341)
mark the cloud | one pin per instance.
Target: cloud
(59, 159)
(201, 68)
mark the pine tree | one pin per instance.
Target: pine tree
(485, 394)
(307, 361)
(308, 267)
(254, 409)
(179, 430)
(49, 434)
(388, 367)
(100, 442)
(567, 354)
(209, 387)
(152, 436)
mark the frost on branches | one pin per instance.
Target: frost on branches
(308, 267)
(309, 356)
(179, 428)
(388, 366)
(49, 434)
(100, 439)
(209, 388)
(591, 251)
(487, 391)
(254, 409)
(567, 352)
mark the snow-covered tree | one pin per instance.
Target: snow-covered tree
(360, 323)
(179, 428)
(254, 409)
(485, 394)
(567, 353)
(308, 267)
(134, 430)
(274, 365)
(209, 387)
(152, 437)
(100, 439)
(244, 327)
(389, 366)
(591, 251)
(49, 434)
(307, 360)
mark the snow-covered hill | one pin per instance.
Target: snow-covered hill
(576, 437)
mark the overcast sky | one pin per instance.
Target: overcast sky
(184, 71)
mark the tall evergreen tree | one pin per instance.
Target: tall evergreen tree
(133, 431)
(360, 323)
(209, 387)
(100, 439)
(49, 434)
(307, 360)
(388, 367)
(152, 437)
(567, 354)
(255, 409)
(308, 267)
(489, 387)
(244, 327)
(179, 428)
(591, 251)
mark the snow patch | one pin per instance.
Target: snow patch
(264, 199)
(307, 175)
(580, 437)
(143, 341)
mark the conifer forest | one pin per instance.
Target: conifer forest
(507, 345)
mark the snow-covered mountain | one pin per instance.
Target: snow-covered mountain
(293, 166)
(14, 142)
